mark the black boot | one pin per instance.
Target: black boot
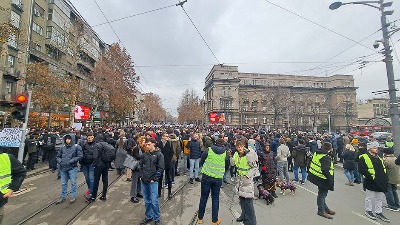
(274, 194)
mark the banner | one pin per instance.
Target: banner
(82, 112)
(216, 117)
(10, 137)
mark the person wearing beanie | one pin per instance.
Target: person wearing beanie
(393, 173)
(372, 167)
(321, 173)
(214, 162)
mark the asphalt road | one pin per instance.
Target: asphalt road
(347, 201)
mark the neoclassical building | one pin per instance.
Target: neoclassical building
(278, 100)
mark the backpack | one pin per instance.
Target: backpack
(108, 153)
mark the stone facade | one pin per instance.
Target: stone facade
(278, 100)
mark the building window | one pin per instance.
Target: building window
(264, 108)
(15, 19)
(38, 47)
(38, 29)
(316, 99)
(17, 3)
(12, 41)
(38, 11)
(9, 87)
(11, 60)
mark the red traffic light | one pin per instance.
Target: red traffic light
(22, 98)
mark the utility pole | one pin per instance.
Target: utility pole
(24, 127)
(393, 104)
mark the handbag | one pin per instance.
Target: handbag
(131, 163)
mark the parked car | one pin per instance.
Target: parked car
(381, 136)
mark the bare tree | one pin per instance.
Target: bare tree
(190, 109)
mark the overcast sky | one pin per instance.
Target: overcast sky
(257, 35)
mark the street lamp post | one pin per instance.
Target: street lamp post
(393, 105)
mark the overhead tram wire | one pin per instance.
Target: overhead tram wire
(315, 23)
(119, 40)
(244, 63)
(208, 46)
(345, 50)
(138, 14)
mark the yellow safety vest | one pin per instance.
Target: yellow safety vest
(368, 162)
(5, 172)
(315, 166)
(214, 166)
(242, 167)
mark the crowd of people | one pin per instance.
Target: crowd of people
(150, 158)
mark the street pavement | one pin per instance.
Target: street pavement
(347, 201)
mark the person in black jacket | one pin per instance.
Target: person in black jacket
(18, 174)
(349, 163)
(321, 173)
(195, 155)
(100, 169)
(88, 147)
(49, 147)
(151, 166)
(166, 149)
(371, 166)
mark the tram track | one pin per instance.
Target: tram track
(34, 215)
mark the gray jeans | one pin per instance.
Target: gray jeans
(283, 171)
(135, 185)
(248, 213)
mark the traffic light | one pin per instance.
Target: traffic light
(21, 103)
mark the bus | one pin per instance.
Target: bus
(368, 129)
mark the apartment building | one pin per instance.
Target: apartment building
(50, 31)
(278, 100)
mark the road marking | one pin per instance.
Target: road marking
(306, 189)
(364, 217)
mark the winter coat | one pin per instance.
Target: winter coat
(275, 145)
(120, 155)
(299, 155)
(283, 153)
(18, 174)
(32, 145)
(349, 160)
(87, 149)
(326, 184)
(176, 146)
(207, 142)
(195, 149)
(168, 152)
(49, 141)
(245, 184)
(151, 166)
(129, 145)
(217, 150)
(268, 167)
(392, 170)
(98, 151)
(313, 146)
(380, 183)
(69, 155)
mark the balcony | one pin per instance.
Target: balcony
(11, 73)
(89, 67)
(17, 4)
